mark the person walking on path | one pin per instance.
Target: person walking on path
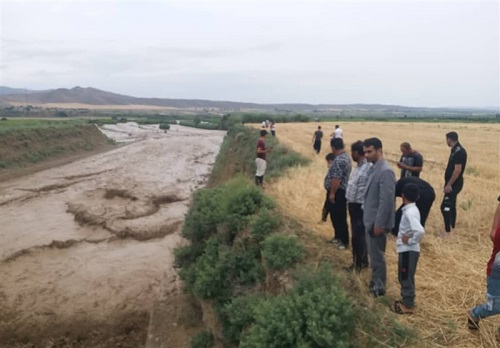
(408, 248)
(260, 161)
(411, 162)
(378, 212)
(317, 137)
(336, 184)
(492, 306)
(424, 202)
(355, 194)
(454, 182)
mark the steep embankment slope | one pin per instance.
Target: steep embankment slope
(28, 148)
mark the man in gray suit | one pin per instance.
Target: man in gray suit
(378, 212)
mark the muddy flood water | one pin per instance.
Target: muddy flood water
(85, 246)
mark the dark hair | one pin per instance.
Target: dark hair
(375, 142)
(452, 135)
(330, 157)
(263, 132)
(358, 147)
(337, 143)
(411, 192)
(406, 146)
(337, 126)
(319, 127)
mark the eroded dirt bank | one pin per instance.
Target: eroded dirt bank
(85, 246)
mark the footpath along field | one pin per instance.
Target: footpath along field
(451, 273)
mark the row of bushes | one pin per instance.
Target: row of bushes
(230, 228)
(240, 248)
(234, 244)
(237, 242)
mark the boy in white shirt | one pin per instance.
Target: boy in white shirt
(408, 247)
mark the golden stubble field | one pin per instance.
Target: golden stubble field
(451, 272)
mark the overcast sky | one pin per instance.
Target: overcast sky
(423, 53)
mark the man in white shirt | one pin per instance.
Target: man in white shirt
(338, 132)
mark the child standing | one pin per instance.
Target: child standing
(492, 306)
(408, 247)
(326, 206)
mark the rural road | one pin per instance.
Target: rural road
(88, 243)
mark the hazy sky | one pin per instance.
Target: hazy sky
(423, 53)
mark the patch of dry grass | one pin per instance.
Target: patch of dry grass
(451, 273)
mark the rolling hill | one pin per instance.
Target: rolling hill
(95, 97)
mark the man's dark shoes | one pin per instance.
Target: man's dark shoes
(472, 323)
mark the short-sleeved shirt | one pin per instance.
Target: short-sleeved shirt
(458, 155)
(414, 159)
(338, 133)
(340, 169)
(261, 144)
(318, 135)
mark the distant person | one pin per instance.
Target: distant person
(337, 133)
(424, 202)
(336, 184)
(264, 125)
(411, 162)
(454, 182)
(355, 194)
(260, 161)
(408, 247)
(378, 212)
(492, 306)
(273, 128)
(326, 206)
(317, 136)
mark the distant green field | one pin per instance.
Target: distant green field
(26, 124)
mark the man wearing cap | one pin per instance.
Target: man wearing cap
(454, 182)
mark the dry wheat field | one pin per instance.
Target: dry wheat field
(451, 273)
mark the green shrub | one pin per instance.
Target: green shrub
(315, 313)
(204, 215)
(241, 197)
(248, 267)
(281, 251)
(211, 274)
(203, 339)
(164, 126)
(186, 255)
(281, 158)
(263, 224)
(238, 315)
(278, 323)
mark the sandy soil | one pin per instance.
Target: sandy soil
(86, 245)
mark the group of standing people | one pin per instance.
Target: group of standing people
(369, 192)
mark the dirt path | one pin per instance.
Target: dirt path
(84, 246)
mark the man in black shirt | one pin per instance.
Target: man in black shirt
(411, 161)
(424, 201)
(318, 135)
(454, 181)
